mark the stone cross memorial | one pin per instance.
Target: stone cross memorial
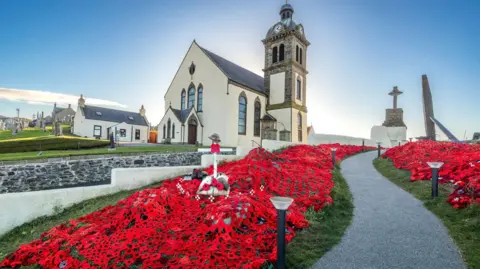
(395, 92)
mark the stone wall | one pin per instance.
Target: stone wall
(64, 173)
(394, 118)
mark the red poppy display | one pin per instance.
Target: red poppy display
(168, 227)
(461, 166)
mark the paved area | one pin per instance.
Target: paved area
(390, 228)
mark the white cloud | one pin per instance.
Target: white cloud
(48, 98)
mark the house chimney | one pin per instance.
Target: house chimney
(69, 106)
(55, 105)
(142, 111)
(81, 101)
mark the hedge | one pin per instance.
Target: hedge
(54, 143)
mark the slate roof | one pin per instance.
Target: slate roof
(237, 73)
(268, 117)
(182, 114)
(58, 109)
(113, 115)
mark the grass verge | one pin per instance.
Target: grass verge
(462, 224)
(96, 151)
(326, 227)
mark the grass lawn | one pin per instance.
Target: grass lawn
(94, 151)
(29, 132)
(326, 227)
(325, 231)
(462, 224)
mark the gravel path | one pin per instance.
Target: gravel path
(390, 228)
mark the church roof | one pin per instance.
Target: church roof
(237, 73)
(182, 114)
(113, 115)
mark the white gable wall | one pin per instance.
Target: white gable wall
(174, 121)
(215, 86)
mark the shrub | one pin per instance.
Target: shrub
(50, 143)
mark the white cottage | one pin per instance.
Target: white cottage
(210, 94)
(99, 122)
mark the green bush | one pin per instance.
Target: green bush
(53, 143)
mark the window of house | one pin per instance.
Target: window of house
(242, 115)
(282, 53)
(97, 131)
(169, 126)
(137, 134)
(191, 97)
(299, 127)
(301, 56)
(98, 113)
(182, 105)
(123, 133)
(173, 130)
(130, 117)
(200, 99)
(164, 131)
(296, 53)
(274, 54)
(299, 89)
(256, 124)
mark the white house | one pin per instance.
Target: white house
(210, 94)
(98, 122)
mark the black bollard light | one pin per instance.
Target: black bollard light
(435, 167)
(363, 145)
(410, 139)
(399, 143)
(378, 148)
(334, 150)
(281, 204)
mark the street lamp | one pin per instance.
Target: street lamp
(333, 156)
(435, 167)
(281, 204)
(378, 148)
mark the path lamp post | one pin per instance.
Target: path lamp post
(378, 148)
(334, 150)
(435, 167)
(281, 204)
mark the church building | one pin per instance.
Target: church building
(210, 94)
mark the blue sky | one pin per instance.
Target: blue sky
(125, 54)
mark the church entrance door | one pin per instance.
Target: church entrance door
(192, 131)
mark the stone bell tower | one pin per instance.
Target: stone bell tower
(285, 76)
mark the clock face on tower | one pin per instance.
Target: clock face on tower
(277, 28)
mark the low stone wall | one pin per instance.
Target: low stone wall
(64, 173)
(18, 208)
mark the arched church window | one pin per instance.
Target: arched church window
(296, 55)
(169, 126)
(274, 54)
(173, 130)
(301, 56)
(200, 98)
(256, 123)
(191, 96)
(182, 105)
(242, 114)
(282, 53)
(299, 126)
(164, 131)
(299, 89)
